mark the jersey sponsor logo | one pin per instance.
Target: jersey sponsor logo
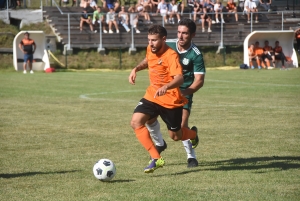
(173, 128)
(185, 61)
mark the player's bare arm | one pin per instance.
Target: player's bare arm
(141, 66)
(176, 82)
(195, 86)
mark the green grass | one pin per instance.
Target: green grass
(54, 127)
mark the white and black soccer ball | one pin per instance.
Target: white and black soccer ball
(104, 170)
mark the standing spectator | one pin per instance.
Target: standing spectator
(231, 8)
(123, 17)
(27, 46)
(218, 10)
(111, 20)
(174, 11)
(266, 4)
(134, 18)
(279, 55)
(163, 8)
(297, 36)
(98, 16)
(250, 7)
(85, 18)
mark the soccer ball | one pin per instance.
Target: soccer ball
(104, 170)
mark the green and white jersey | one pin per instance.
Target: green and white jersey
(191, 61)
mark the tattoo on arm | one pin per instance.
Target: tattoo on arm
(141, 66)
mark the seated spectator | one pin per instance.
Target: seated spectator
(268, 54)
(111, 20)
(279, 55)
(107, 4)
(93, 4)
(140, 9)
(218, 10)
(250, 7)
(134, 18)
(163, 8)
(231, 8)
(98, 16)
(266, 4)
(174, 11)
(180, 5)
(123, 17)
(154, 5)
(259, 52)
(146, 4)
(197, 10)
(208, 7)
(85, 18)
(84, 3)
(205, 18)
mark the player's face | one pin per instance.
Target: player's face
(184, 36)
(156, 42)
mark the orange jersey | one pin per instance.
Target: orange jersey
(258, 51)
(267, 48)
(231, 6)
(278, 49)
(162, 68)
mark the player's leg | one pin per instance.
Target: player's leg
(25, 63)
(142, 113)
(153, 127)
(30, 60)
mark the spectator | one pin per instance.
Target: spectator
(140, 9)
(197, 10)
(174, 11)
(84, 3)
(154, 5)
(218, 10)
(93, 4)
(268, 54)
(251, 55)
(107, 4)
(266, 4)
(111, 20)
(279, 55)
(146, 4)
(297, 36)
(205, 18)
(259, 52)
(180, 5)
(134, 18)
(250, 7)
(231, 8)
(123, 17)
(208, 7)
(99, 17)
(85, 18)
(27, 46)
(163, 8)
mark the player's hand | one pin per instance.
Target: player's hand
(161, 91)
(132, 77)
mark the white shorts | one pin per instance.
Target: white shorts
(93, 4)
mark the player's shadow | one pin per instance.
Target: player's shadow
(256, 163)
(26, 174)
(120, 181)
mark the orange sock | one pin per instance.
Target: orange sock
(143, 136)
(187, 134)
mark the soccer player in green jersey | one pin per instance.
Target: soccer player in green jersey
(193, 67)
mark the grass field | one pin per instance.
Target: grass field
(54, 127)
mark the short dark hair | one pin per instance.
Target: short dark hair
(26, 33)
(157, 29)
(190, 24)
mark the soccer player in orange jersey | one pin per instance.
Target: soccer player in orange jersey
(259, 52)
(162, 98)
(268, 54)
(28, 47)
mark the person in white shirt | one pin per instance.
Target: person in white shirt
(174, 11)
(163, 9)
(111, 20)
(250, 7)
(218, 10)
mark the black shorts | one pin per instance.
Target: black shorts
(172, 117)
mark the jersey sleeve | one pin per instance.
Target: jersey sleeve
(174, 64)
(199, 67)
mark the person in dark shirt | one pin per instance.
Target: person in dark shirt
(27, 46)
